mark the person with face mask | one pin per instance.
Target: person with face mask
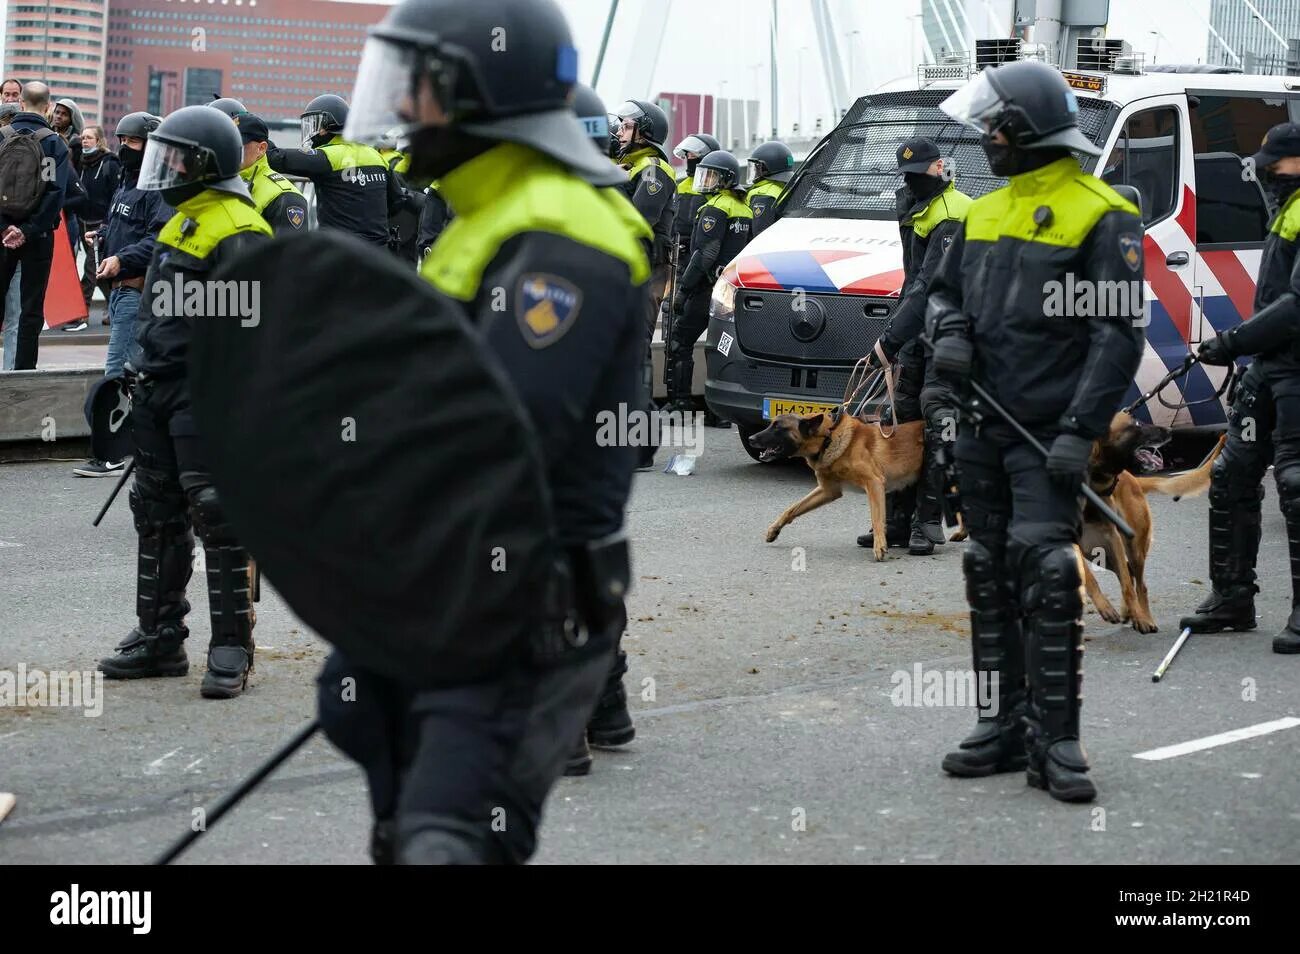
(355, 190)
(1264, 422)
(930, 210)
(722, 229)
(550, 267)
(192, 161)
(691, 149)
(990, 322)
(101, 173)
(770, 167)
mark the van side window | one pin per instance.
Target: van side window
(1231, 206)
(1146, 157)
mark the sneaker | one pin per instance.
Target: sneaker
(76, 326)
(98, 468)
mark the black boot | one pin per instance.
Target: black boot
(579, 761)
(1234, 544)
(1288, 641)
(611, 724)
(898, 519)
(1054, 640)
(230, 654)
(929, 497)
(998, 742)
(164, 563)
(144, 655)
(919, 543)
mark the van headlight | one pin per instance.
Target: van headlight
(723, 304)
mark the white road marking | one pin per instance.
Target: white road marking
(1223, 738)
(155, 767)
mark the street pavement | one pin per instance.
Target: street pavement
(763, 682)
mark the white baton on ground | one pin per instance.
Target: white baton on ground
(1169, 658)
(7, 802)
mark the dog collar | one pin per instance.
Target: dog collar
(837, 415)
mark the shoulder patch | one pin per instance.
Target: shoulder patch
(546, 306)
(759, 207)
(652, 183)
(1130, 248)
(296, 215)
(308, 151)
(707, 222)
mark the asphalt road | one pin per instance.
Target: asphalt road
(761, 678)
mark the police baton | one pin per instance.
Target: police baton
(121, 482)
(236, 796)
(1093, 497)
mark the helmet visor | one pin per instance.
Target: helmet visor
(166, 164)
(629, 110)
(976, 104)
(754, 170)
(707, 180)
(384, 103)
(312, 124)
(691, 144)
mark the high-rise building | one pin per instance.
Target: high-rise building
(1246, 33)
(272, 55)
(60, 42)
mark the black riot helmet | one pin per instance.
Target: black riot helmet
(717, 171)
(650, 124)
(1027, 101)
(771, 160)
(325, 116)
(139, 125)
(697, 144)
(590, 110)
(496, 70)
(231, 107)
(193, 149)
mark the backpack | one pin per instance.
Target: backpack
(21, 161)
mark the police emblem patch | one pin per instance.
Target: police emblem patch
(1130, 247)
(545, 307)
(652, 183)
(758, 210)
(707, 223)
(907, 152)
(296, 215)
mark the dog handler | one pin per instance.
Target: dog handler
(1064, 378)
(1268, 404)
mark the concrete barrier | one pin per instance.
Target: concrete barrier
(43, 407)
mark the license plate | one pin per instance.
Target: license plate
(775, 407)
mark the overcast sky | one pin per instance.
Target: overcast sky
(721, 46)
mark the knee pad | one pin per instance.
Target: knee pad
(1055, 584)
(209, 520)
(1234, 483)
(982, 567)
(1288, 490)
(157, 509)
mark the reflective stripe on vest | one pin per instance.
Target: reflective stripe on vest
(267, 185)
(351, 155)
(730, 206)
(765, 187)
(216, 217)
(648, 158)
(946, 206)
(512, 189)
(1287, 221)
(1077, 201)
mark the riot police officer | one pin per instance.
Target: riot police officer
(691, 149)
(1264, 423)
(1065, 378)
(930, 210)
(552, 270)
(354, 191)
(193, 159)
(275, 197)
(770, 167)
(722, 229)
(231, 107)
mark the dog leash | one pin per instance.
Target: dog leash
(1188, 361)
(862, 379)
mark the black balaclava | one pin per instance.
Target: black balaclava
(436, 150)
(175, 195)
(131, 159)
(1011, 160)
(923, 185)
(1282, 187)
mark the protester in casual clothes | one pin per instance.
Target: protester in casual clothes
(66, 120)
(101, 173)
(29, 240)
(9, 318)
(11, 91)
(131, 225)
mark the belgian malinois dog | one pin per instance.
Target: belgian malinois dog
(1111, 474)
(843, 450)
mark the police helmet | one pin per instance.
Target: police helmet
(231, 107)
(1028, 101)
(500, 70)
(138, 125)
(717, 171)
(194, 148)
(771, 160)
(650, 121)
(324, 116)
(697, 144)
(590, 110)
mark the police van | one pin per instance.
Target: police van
(793, 313)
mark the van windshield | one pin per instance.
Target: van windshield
(852, 173)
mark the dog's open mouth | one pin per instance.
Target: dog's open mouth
(1149, 459)
(769, 454)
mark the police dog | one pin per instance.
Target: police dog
(843, 450)
(1115, 457)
